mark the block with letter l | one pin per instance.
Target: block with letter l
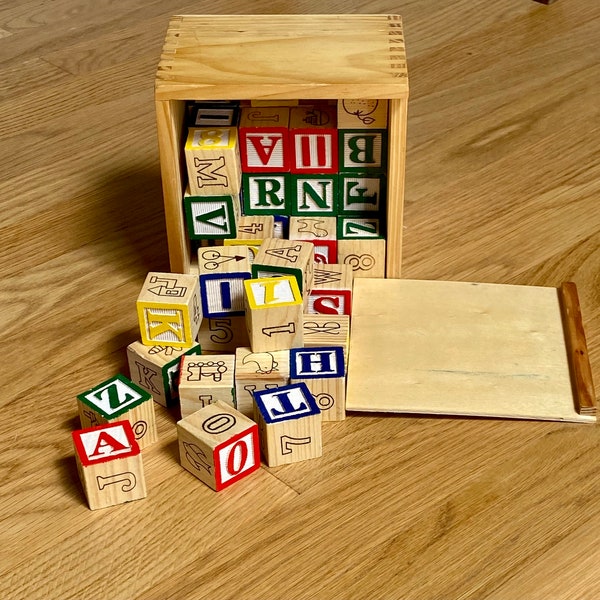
(289, 421)
(218, 445)
(109, 463)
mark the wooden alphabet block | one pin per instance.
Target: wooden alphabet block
(205, 380)
(251, 246)
(256, 371)
(360, 227)
(223, 259)
(362, 193)
(256, 227)
(156, 369)
(117, 399)
(363, 150)
(213, 161)
(222, 294)
(362, 114)
(365, 256)
(273, 313)
(289, 421)
(281, 227)
(169, 310)
(313, 139)
(264, 139)
(109, 463)
(211, 217)
(284, 257)
(324, 373)
(213, 114)
(321, 232)
(218, 445)
(332, 290)
(223, 334)
(327, 330)
(314, 195)
(266, 193)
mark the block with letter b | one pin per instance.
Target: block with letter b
(169, 310)
(323, 371)
(289, 420)
(273, 313)
(362, 150)
(116, 399)
(218, 445)
(109, 463)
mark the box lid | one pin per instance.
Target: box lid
(283, 56)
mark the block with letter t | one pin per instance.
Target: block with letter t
(289, 421)
(116, 399)
(332, 290)
(109, 463)
(218, 445)
(273, 313)
(323, 371)
(169, 310)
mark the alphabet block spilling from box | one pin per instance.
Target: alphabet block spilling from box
(116, 399)
(289, 420)
(218, 445)
(327, 330)
(332, 290)
(109, 463)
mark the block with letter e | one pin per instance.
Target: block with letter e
(362, 193)
(218, 445)
(289, 421)
(169, 310)
(109, 463)
(273, 313)
(116, 399)
(324, 373)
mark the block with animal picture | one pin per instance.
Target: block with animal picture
(289, 422)
(109, 463)
(319, 231)
(256, 371)
(314, 139)
(169, 310)
(211, 217)
(264, 135)
(286, 257)
(218, 445)
(273, 313)
(118, 399)
(205, 380)
(156, 369)
(323, 371)
(332, 290)
(327, 330)
(213, 161)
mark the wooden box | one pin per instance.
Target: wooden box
(279, 57)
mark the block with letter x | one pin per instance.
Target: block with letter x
(289, 421)
(116, 399)
(109, 463)
(218, 445)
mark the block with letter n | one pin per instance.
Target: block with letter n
(116, 399)
(289, 422)
(332, 290)
(169, 310)
(211, 217)
(323, 371)
(264, 139)
(109, 463)
(313, 140)
(218, 445)
(213, 161)
(266, 193)
(314, 195)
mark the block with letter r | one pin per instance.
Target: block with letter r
(289, 421)
(265, 193)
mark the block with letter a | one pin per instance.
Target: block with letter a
(218, 445)
(264, 139)
(109, 463)
(273, 313)
(332, 290)
(323, 371)
(117, 399)
(289, 421)
(169, 310)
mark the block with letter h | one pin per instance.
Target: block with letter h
(169, 310)
(323, 371)
(273, 313)
(289, 421)
(332, 290)
(218, 445)
(109, 463)
(116, 399)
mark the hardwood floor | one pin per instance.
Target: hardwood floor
(502, 185)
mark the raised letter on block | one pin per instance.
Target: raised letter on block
(332, 290)
(313, 139)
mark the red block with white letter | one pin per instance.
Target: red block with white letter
(219, 445)
(332, 290)
(109, 464)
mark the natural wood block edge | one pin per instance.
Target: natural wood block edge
(579, 364)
